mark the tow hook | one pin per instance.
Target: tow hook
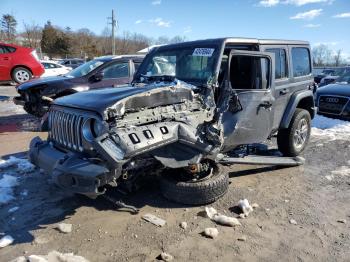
(121, 204)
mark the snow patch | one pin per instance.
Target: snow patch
(7, 183)
(342, 171)
(22, 165)
(6, 240)
(332, 129)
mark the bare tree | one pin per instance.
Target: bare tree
(337, 57)
(32, 35)
(321, 55)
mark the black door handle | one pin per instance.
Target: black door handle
(266, 104)
(283, 92)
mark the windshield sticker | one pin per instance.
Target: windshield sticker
(203, 51)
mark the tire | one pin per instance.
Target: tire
(21, 75)
(293, 140)
(195, 193)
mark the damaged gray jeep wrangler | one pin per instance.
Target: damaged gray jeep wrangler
(188, 108)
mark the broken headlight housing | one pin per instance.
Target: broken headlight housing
(93, 128)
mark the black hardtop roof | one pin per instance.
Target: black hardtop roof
(236, 40)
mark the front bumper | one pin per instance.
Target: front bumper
(69, 170)
(18, 100)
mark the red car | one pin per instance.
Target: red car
(19, 63)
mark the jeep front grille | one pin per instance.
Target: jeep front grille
(65, 129)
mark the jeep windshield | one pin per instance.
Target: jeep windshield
(192, 64)
(84, 69)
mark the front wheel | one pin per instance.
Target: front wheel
(21, 75)
(293, 140)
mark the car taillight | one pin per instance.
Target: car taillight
(35, 55)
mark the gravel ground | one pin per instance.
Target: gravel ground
(316, 195)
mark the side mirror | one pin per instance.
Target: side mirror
(97, 77)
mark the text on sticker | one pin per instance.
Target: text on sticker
(203, 52)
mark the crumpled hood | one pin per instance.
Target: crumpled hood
(52, 80)
(334, 89)
(111, 102)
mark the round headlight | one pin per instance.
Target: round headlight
(98, 128)
(92, 128)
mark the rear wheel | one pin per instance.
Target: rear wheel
(181, 188)
(293, 140)
(21, 75)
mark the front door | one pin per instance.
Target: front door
(249, 112)
(114, 75)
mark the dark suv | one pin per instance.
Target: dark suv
(73, 63)
(37, 95)
(189, 105)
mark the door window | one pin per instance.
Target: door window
(249, 72)
(281, 69)
(3, 50)
(301, 61)
(116, 71)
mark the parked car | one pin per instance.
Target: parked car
(189, 104)
(324, 73)
(19, 63)
(54, 69)
(332, 77)
(109, 71)
(334, 100)
(73, 63)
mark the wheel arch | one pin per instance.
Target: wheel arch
(303, 100)
(24, 66)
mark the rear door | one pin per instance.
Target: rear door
(250, 101)
(5, 63)
(282, 81)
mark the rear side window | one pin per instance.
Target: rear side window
(7, 49)
(281, 69)
(11, 49)
(301, 61)
(2, 50)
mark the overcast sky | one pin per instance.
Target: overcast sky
(318, 21)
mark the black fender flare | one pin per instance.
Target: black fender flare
(293, 104)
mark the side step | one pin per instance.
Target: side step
(264, 160)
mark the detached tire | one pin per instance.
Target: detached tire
(200, 192)
(293, 140)
(21, 75)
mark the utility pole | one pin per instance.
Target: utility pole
(114, 25)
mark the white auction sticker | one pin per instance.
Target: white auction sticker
(203, 51)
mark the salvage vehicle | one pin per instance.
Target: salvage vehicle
(189, 107)
(37, 95)
(73, 63)
(334, 100)
(332, 77)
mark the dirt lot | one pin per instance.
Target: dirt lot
(316, 196)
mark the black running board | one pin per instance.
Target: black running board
(264, 160)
